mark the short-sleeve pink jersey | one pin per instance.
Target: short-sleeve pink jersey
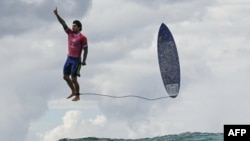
(76, 42)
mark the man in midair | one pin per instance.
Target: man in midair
(76, 43)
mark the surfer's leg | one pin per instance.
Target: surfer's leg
(71, 85)
(66, 76)
(74, 72)
(77, 88)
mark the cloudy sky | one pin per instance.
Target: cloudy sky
(212, 38)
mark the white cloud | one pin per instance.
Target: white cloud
(74, 126)
(99, 121)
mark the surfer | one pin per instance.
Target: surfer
(76, 43)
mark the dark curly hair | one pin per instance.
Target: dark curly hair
(78, 23)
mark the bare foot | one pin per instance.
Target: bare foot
(77, 97)
(73, 94)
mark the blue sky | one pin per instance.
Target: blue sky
(212, 41)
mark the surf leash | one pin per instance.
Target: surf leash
(125, 96)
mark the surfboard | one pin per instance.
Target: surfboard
(168, 61)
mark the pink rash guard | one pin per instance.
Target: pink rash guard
(76, 42)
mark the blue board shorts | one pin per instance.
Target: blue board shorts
(72, 66)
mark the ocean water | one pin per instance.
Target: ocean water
(188, 136)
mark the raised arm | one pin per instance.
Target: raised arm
(61, 21)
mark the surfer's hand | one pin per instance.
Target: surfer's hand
(55, 11)
(84, 63)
